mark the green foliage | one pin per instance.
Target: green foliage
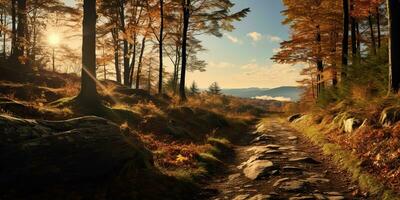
(364, 81)
(214, 89)
(194, 90)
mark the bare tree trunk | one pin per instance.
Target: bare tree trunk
(88, 94)
(371, 29)
(160, 72)
(358, 42)
(378, 23)
(14, 26)
(353, 35)
(186, 15)
(139, 70)
(5, 38)
(394, 45)
(345, 42)
(133, 62)
(116, 54)
(125, 42)
(149, 78)
(320, 65)
(21, 30)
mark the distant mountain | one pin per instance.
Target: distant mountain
(287, 93)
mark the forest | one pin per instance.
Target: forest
(95, 102)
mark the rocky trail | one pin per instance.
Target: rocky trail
(279, 164)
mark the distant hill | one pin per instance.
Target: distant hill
(287, 93)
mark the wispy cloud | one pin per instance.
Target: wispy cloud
(273, 98)
(221, 65)
(233, 39)
(276, 50)
(255, 36)
(273, 38)
(273, 74)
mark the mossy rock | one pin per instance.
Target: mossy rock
(38, 154)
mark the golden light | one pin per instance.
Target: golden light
(54, 39)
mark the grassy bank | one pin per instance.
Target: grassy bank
(344, 158)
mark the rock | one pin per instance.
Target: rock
(315, 180)
(351, 124)
(233, 177)
(292, 138)
(250, 160)
(258, 149)
(334, 193)
(292, 169)
(258, 169)
(300, 119)
(241, 197)
(273, 152)
(273, 146)
(293, 186)
(287, 148)
(262, 138)
(260, 197)
(278, 182)
(17, 108)
(294, 117)
(302, 198)
(319, 196)
(390, 115)
(335, 197)
(37, 153)
(304, 160)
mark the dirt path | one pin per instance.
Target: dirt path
(280, 164)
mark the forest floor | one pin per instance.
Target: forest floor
(277, 162)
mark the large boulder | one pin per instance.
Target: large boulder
(38, 154)
(258, 169)
(390, 115)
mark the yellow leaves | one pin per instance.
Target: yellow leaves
(181, 159)
(124, 126)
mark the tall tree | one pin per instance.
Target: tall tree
(345, 41)
(205, 16)
(88, 93)
(394, 45)
(186, 16)
(161, 39)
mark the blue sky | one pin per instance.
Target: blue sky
(241, 58)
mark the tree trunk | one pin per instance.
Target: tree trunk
(14, 26)
(149, 78)
(353, 35)
(88, 94)
(320, 66)
(5, 38)
(125, 42)
(160, 72)
(371, 29)
(378, 23)
(133, 62)
(345, 42)
(394, 45)
(116, 54)
(139, 70)
(21, 30)
(186, 15)
(358, 42)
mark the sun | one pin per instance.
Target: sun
(54, 39)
